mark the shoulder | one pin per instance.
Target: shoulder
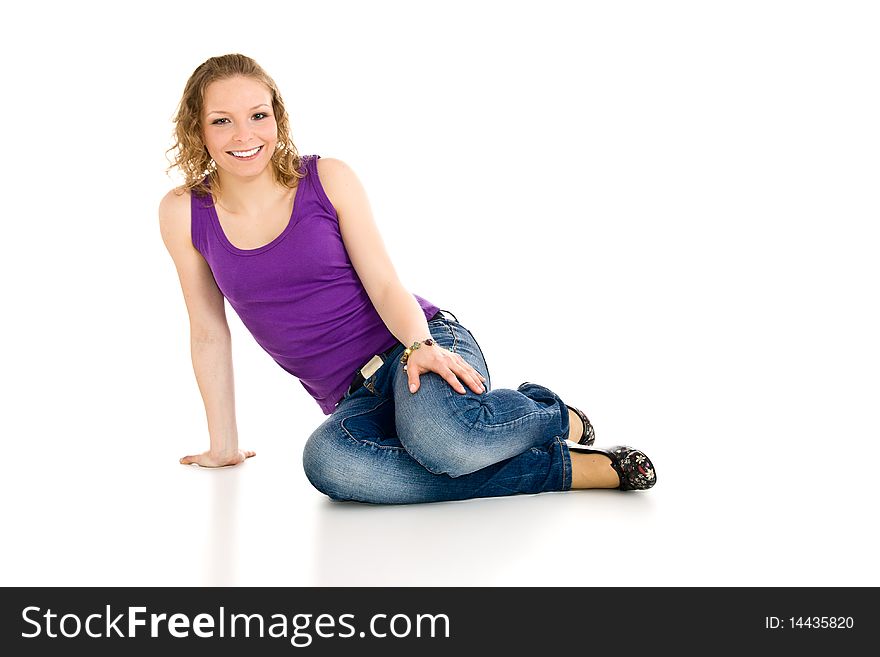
(331, 169)
(340, 182)
(174, 213)
(175, 203)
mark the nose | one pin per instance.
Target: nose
(242, 133)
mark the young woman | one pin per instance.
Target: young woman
(290, 242)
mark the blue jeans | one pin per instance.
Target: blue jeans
(385, 445)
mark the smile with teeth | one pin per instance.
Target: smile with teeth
(245, 154)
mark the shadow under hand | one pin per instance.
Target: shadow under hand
(221, 551)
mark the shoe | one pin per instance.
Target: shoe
(633, 467)
(588, 437)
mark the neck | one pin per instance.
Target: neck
(247, 195)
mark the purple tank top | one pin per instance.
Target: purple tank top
(299, 295)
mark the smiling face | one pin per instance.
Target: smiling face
(238, 126)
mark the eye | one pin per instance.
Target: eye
(217, 122)
(261, 114)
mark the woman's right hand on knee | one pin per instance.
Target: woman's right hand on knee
(210, 459)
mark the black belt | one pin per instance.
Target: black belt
(359, 378)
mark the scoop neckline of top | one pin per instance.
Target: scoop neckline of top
(215, 219)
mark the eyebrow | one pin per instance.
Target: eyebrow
(225, 112)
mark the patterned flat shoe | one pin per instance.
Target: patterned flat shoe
(633, 467)
(588, 436)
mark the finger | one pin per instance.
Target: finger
(477, 386)
(413, 379)
(468, 368)
(454, 382)
(469, 374)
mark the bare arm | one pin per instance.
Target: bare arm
(210, 341)
(398, 308)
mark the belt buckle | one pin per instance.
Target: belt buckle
(372, 366)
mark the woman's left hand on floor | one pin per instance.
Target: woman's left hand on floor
(211, 460)
(447, 364)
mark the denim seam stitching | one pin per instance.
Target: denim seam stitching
(564, 469)
(488, 376)
(455, 341)
(362, 441)
(451, 393)
(480, 425)
(452, 332)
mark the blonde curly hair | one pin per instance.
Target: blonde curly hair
(191, 155)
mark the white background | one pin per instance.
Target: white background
(665, 212)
